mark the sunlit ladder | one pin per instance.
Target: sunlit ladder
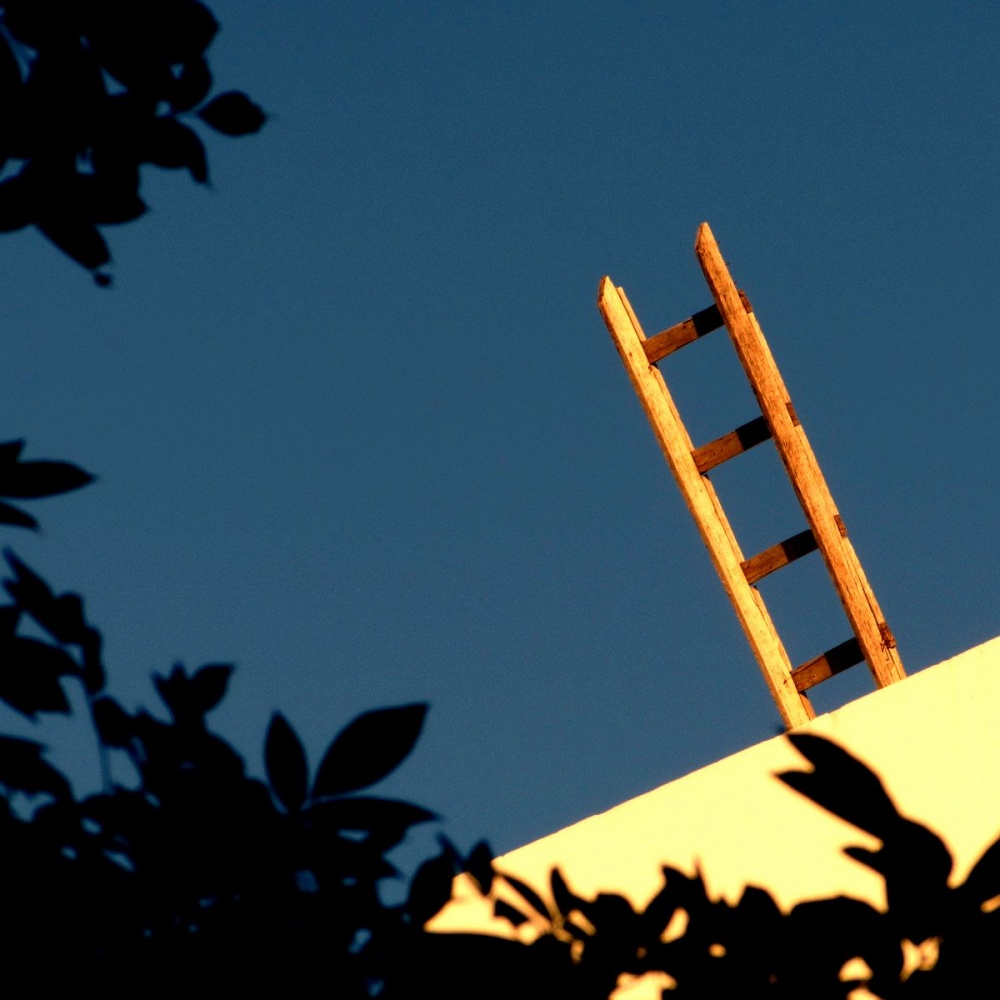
(872, 641)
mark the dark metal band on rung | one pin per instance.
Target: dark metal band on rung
(663, 344)
(745, 437)
(659, 346)
(833, 661)
(757, 567)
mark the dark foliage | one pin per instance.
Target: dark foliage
(933, 941)
(183, 863)
(92, 90)
(29, 480)
(186, 865)
(183, 872)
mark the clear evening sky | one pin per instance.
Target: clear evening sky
(360, 429)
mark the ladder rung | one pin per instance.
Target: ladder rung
(760, 565)
(678, 336)
(833, 661)
(681, 334)
(745, 437)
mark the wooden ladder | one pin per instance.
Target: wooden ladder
(872, 641)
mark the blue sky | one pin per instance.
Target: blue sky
(360, 429)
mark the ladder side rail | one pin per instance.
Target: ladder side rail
(703, 503)
(849, 579)
(887, 637)
(800, 463)
(890, 668)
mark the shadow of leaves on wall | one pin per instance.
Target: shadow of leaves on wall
(934, 939)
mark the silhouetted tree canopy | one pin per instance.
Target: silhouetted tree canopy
(185, 864)
(90, 91)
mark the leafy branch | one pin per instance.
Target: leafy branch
(90, 93)
(193, 865)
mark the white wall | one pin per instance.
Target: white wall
(933, 738)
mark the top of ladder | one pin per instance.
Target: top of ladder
(872, 641)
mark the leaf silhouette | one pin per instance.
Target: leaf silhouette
(285, 762)
(114, 724)
(93, 668)
(208, 685)
(479, 864)
(61, 616)
(384, 821)
(233, 113)
(38, 657)
(566, 900)
(165, 142)
(175, 690)
(159, 33)
(185, 30)
(30, 480)
(501, 908)
(430, 888)
(191, 85)
(368, 749)
(28, 589)
(29, 681)
(22, 768)
(64, 619)
(611, 913)
(843, 785)
(15, 516)
(78, 239)
(18, 206)
(527, 894)
(109, 198)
